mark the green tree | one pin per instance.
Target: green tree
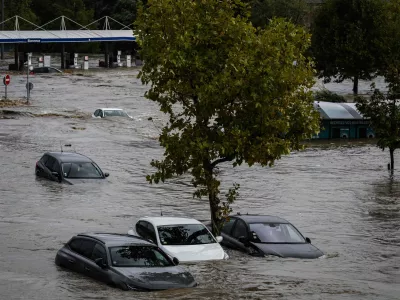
(346, 38)
(22, 8)
(382, 108)
(264, 10)
(384, 114)
(232, 93)
(124, 11)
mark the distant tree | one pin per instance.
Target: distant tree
(346, 39)
(383, 111)
(232, 93)
(22, 8)
(124, 11)
(328, 96)
(264, 10)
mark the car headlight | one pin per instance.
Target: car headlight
(226, 256)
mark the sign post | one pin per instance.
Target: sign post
(6, 82)
(28, 84)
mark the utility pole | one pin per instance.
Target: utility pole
(2, 27)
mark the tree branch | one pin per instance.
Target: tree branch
(222, 159)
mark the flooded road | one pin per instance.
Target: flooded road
(339, 195)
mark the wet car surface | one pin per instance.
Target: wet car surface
(123, 261)
(339, 193)
(267, 235)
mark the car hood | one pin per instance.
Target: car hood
(290, 250)
(187, 253)
(80, 181)
(157, 278)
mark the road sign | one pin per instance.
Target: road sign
(6, 79)
(30, 84)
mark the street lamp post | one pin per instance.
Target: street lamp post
(2, 27)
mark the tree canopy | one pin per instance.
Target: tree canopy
(347, 39)
(232, 93)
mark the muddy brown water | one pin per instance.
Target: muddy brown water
(338, 194)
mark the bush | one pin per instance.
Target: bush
(328, 96)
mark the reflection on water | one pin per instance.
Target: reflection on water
(338, 194)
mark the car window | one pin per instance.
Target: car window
(81, 170)
(239, 230)
(146, 230)
(184, 234)
(44, 159)
(83, 247)
(49, 163)
(138, 256)
(96, 113)
(228, 225)
(276, 233)
(56, 166)
(152, 232)
(99, 252)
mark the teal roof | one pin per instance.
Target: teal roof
(338, 111)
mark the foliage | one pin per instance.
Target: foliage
(328, 96)
(232, 93)
(346, 39)
(264, 10)
(384, 114)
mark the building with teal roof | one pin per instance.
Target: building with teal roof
(342, 120)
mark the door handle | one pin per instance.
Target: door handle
(87, 269)
(71, 261)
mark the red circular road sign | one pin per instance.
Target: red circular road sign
(7, 79)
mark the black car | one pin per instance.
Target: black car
(266, 235)
(45, 70)
(68, 167)
(123, 261)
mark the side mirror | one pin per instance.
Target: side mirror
(100, 262)
(308, 240)
(106, 174)
(175, 261)
(243, 240)
(219, 238)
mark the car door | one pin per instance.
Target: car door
(41, 165)
(226, 232)
(146, 231)
(240, 230)
(49, 167)
(56, 168)
(82, 251)
(95, 271)
(101, 113)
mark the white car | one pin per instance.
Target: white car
(110, 112)
(186, 239)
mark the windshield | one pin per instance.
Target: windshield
(275, 233)
(115, 113)
(190, 234)
(138, 256)
(81, 170)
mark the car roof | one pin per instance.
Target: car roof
(260, 219)
(69, 156)
(160, 221)
(110, 108)
(116, 239)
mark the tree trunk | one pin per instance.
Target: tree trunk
(212, 198)
(391, 159)
(355, 85)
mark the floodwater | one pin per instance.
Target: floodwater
(340, 195)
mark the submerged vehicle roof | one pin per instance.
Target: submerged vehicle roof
(69, 157)
(160, 221)
(110, 108)
(116, 239)
(260, 219)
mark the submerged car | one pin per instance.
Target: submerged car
(69, 167)
(39, 70)
(184, 238)
(267, 235)
(110, 112)
(123, 261)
